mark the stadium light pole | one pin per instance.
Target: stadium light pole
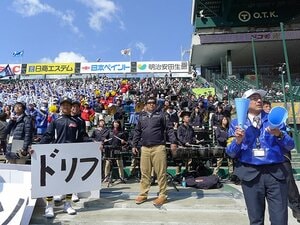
(255, 63)
(295, 134)
(282, 72)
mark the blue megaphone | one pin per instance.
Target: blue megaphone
(241, 106)
(277, 116)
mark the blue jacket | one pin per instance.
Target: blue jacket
(274, 147)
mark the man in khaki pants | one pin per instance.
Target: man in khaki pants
(151, 130)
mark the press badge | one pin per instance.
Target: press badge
(258, 152)
(10, 139)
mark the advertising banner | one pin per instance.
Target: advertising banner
(105, 67)
(163, 67)
(15, 68)
(50, 68)
(203, 91)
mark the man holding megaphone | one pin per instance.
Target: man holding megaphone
(259, 149)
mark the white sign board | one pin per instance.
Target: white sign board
(105, 67)
(163, 67)
(16, 204)
(14, 198)
(65, 168)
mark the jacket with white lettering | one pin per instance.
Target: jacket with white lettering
(65, 129)
(274, 148)
(152, 129)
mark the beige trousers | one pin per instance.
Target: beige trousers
(120, 168)
(219, 164)
(156, 157)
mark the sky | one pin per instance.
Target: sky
(87, 30)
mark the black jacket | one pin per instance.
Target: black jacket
(20, 129)
(172, 118)
(65, 129)
(197, 119)
(216, 118)
(114, 138)
(100, 135)
(152, 129)
(82, 127)
(227, 110)
(221, 136)
(98, 107)
(185, 134)
(119, 113)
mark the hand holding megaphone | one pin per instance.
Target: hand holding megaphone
(277, 117)
(241, 105)
(274, 131)
(239, 134)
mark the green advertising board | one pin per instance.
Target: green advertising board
(203, 91)
(247, 13)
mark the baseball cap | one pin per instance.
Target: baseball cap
(65, 99)
(250, 92)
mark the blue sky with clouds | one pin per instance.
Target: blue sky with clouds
(84, 30)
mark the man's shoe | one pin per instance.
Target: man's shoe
(49, 211)
(75, 197)
(58, 198)
(159, 201)
(68, 208)
(140, 199)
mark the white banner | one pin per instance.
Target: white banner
(163, 67)
(105, 67)
(58, 169)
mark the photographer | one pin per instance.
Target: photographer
(20, 131)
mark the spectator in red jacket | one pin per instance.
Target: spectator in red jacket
(87, 115)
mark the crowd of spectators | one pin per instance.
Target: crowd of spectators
(95, 95)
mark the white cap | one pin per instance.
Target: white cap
(250, 92)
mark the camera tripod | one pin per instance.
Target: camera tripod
(109, 176)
